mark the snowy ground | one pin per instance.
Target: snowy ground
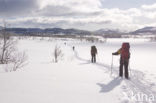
(75, 80)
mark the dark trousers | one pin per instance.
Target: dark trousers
(93, 58)
(124, 63)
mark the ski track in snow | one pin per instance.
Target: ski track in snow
(136, 84)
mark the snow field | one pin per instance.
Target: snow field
(74, 79)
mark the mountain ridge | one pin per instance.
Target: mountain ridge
(72, 31)
(145, 30)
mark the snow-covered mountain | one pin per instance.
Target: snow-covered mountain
(64, 31)
(108, 31)
(67, 31)
(145, 30)
(48, 30)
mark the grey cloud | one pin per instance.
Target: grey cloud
(125, 4)
(87, 24)
(143, 20)
(55, 11)
(103, 22)
(64, 11)
(34, 23)
(17, 7)
(59, 23)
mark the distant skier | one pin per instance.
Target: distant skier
(124, 59)
(65, 43)
(73, 48)
(93, 53)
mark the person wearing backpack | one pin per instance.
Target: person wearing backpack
(93, 53)
(73, 48)
(124, 59)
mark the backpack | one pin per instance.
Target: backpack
(93, 50)
(125, 54)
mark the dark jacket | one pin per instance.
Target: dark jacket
(93, 50)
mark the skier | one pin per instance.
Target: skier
(73, 48)
(93, 53)
(124, 59)
(65, 43)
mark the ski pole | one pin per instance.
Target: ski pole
(97, 57)
(111, 64)
(129, 69)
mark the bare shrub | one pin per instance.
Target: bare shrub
(9, 54)
(19, 60)
(7, 47)
(57, 54)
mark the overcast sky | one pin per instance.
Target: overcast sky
(125, 15)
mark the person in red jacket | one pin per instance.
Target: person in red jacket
(124, 59)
